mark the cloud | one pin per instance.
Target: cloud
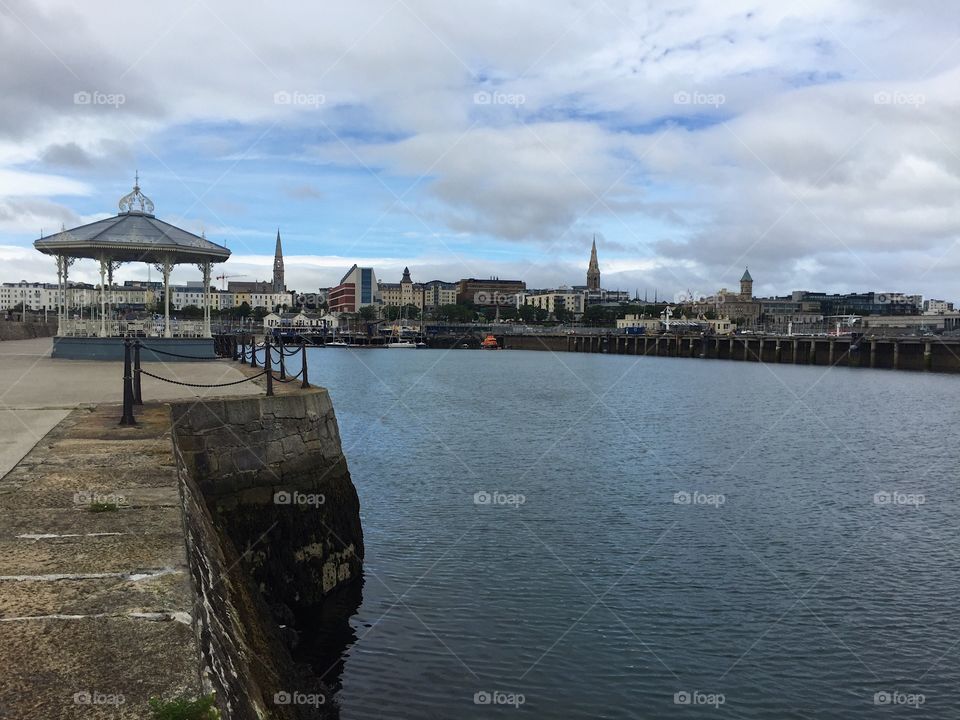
(815, 142)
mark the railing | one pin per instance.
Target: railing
(272, 354)
(132, 328)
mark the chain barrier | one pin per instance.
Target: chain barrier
(176, 355)
(201, 385)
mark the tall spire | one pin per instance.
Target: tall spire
(278, 281)
(593, 270)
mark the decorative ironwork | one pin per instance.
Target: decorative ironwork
(129, 201)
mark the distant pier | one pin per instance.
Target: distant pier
(932, 354)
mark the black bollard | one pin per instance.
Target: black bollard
(127, 418)
(137, 394)
(253, 351)
(235, 347)
(268, 365)
(283, 365)
(303, 359)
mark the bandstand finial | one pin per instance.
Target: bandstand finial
(129, 201)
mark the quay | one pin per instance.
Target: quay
(148, 561)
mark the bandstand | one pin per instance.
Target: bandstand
(134, 235)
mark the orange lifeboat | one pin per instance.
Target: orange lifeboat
(489, 343)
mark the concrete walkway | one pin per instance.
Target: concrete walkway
(37, 392)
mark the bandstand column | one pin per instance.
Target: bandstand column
(103, 297)
(60, 265)
(167, 330)
(206, 299)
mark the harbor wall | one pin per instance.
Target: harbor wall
(914, 353)
(273, 531)
(13, 330)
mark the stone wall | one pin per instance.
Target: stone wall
(273, 526)
(12, 330)
(245, 659)
(275, 478)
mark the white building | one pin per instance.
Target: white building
(565, 298)
(648, 324)
(937, 307)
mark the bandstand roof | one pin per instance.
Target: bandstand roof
(133, 235)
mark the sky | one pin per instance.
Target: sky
(815, 141)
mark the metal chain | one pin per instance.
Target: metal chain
(198, 385)
(164, 352)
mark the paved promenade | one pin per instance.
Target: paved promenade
(37, 392)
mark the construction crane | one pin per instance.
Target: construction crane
(224, 278)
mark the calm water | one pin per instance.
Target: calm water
(784, 589)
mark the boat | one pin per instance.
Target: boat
(421, 345)
(490, 343)
(396, 336)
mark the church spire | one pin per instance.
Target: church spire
(593, 270)
(278, 281)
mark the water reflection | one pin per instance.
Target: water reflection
(326, 634)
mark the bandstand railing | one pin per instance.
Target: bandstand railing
(131, 328)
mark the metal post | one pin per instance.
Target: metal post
(283, 365)
(243, 349)
(268, 365)
(137, 394)
(127, 418)
(303, 358)
(253, 351)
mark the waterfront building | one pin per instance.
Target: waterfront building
(357, 288)
(314, 322)
(742, 309)
(647, 324)
(600, 296)
(490, 292)
(565, 300)
(402, 293)
(438, 292)
(867, 303)
(257, 294)
(937, 307)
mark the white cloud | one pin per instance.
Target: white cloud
(816, 168)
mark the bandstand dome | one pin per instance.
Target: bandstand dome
(133, 236)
